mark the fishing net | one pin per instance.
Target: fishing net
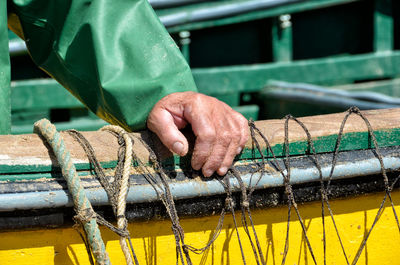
(158, 179)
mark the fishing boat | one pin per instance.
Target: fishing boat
(36, 211)
(267, 58)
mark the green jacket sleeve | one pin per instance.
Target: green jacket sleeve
(115, 56)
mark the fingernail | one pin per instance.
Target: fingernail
(238, 150)
(177, 147)
(208, 173)
(222, 170)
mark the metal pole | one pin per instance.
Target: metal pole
(5, 105)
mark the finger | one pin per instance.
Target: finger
(162, 123)
(219, 151)
(244, 131)
(232, 150)
(204, 130)
(216, 157)
(236, 136)
(228, 159)
(203, 147)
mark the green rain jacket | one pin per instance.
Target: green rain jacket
(114, 56)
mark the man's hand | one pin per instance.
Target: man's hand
(221, 132)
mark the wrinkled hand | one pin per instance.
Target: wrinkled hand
(221, 132)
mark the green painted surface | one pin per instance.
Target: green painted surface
(229, 82)
(230, 98)
(259, 51)
(350, 141)
(80, 124)
(40, 168)
(93, 123)
(112, 58)
(325, 144)
(252, 78)
(5, 106)
(383, 26)
(282, 39)
(41, 94)
(55, 174)
(248, 111)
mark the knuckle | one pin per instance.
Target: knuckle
(207, 135)
(243, 122)
(197, 98)
(225, 136)
(201, 154)
(236, 135)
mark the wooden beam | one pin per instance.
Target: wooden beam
(28, 153)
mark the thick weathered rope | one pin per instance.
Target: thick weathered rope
(81, 203)
(116, 187)
(124, 185)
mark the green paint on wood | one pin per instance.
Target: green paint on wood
(81, 124)
(282, 38)
(383, 26)
(252, 78)
(325, 144)
(5, 108)
(41, 94)
(38, 168)
(248, 111)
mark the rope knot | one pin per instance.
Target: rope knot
(185, 247)
(85, 215)
(354, 109)
(246, 204)
(288, 189)
(229, 203)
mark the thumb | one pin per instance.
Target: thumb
(162, 123)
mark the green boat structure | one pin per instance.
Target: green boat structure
(314, 59)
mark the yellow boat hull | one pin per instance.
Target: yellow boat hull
(154, 242)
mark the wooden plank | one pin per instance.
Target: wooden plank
(28, 153)
(30, 150)
(324, 125)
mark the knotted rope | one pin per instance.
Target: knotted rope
(81, 203)
(117, 191)
(121, 202)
